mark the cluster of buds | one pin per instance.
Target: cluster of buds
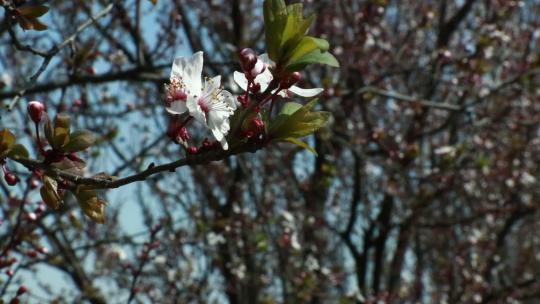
(22, 290)
(178, 132)
(253, 127)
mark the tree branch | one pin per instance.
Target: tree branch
(99, 183)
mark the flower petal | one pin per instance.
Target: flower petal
(240, 80)
(228, 99)
(177, 107)
(189, 71)
(306, 92)
(211, 85)
(264, 79)
(195, 110)
(219, 125)
(264, 58)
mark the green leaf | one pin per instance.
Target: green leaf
(301, 144)
(300, 123)
(33, 11)
(290, 107)
(61, 137)
(18, 151)
(62, 121)
(7, 139)
(49, 193)
(315, 56)
(295, 27)
(307, 45)
(91, 204)
(80, 140)
(275, 19)
(58, 136)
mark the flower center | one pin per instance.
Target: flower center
(179, 94)
(203, 104)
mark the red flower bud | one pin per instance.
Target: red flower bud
(248, 59)
(295, 77)
(243, 100)
(11, 179)
(249, 134)
(32, 254)
(256, 88)
(22, 290)
(206, 143)
(192, 150)
(91, 70)
(35, 110)
(290, 80)
(258, 123)
(177, 131)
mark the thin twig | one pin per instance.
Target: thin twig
(53, 51)
(398, 96)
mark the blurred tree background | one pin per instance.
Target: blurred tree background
(425, 188)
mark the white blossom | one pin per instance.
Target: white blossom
(207, 102)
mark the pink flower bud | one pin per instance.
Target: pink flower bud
(35, 110)
(40, 208)
(31, 216)
(192, 150)
(34, 183)
(11, 179)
